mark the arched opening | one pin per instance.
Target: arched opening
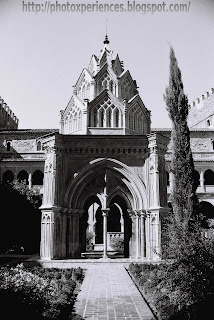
(116, 118)
(108, 118)
(106, 186)
(209, 178)
(207, 210)
(101, 118)
(94, 118)
(39, 146)
(196, 178)
(37, 178)
(119, 226)
(91, 224)
(23, 176)
(8, 145)
(8, 176)
(114, 219)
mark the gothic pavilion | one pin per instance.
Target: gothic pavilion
(104, 173)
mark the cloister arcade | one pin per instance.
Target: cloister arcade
(32, 179)
(202, 178)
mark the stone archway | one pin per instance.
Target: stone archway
(115, 188)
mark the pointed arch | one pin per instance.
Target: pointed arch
(134, 189)
(108, 117)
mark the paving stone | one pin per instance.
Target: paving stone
(109, 293)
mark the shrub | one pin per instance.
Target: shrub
(89, 238)
(39, 293)
(180, 290)
(117, 243)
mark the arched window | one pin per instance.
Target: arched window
(104, 84)
(23, 176)
(94, 124)
(209, 177)
(8, 176)
(39, 146)
(83, 92)
(111, 86)
(116, 122)
(8, 145)
(66, 125)
(37, 178)
(79, 121)
(88, 91)
(75, 122)
(108, 117)
(196, 178)
(101, 118)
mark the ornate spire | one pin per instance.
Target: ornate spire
(106, 41)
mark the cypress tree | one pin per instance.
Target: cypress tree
(183, 198)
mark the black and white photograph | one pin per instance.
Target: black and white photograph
(107, 159)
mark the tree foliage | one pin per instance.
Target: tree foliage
(183, 198)
(20, 219)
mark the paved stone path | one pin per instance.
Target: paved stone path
(109, 293)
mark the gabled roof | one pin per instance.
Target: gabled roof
(77, 100)
(106, 93)
(84, 71)
(126, 74)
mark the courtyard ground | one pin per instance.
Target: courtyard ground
(109, 293)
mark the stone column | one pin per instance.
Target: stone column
(30, 180)
(148, 235)
(135, 241)
(142, 233)
(137, 234)
(157, 194)
(105, 214)
(202, 181)
(73, 233)
(47, 235)
(155, 235)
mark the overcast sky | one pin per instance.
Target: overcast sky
(42, 55)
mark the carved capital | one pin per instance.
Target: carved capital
(105, 212)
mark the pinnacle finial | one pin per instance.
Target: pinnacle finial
(106, 41)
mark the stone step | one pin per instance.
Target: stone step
(98, 254)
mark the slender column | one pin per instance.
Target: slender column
(30, 180)
(137, 235)
(155, 235)
(142, 228)
(148, 235)
(202, 181)
(105, 214)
